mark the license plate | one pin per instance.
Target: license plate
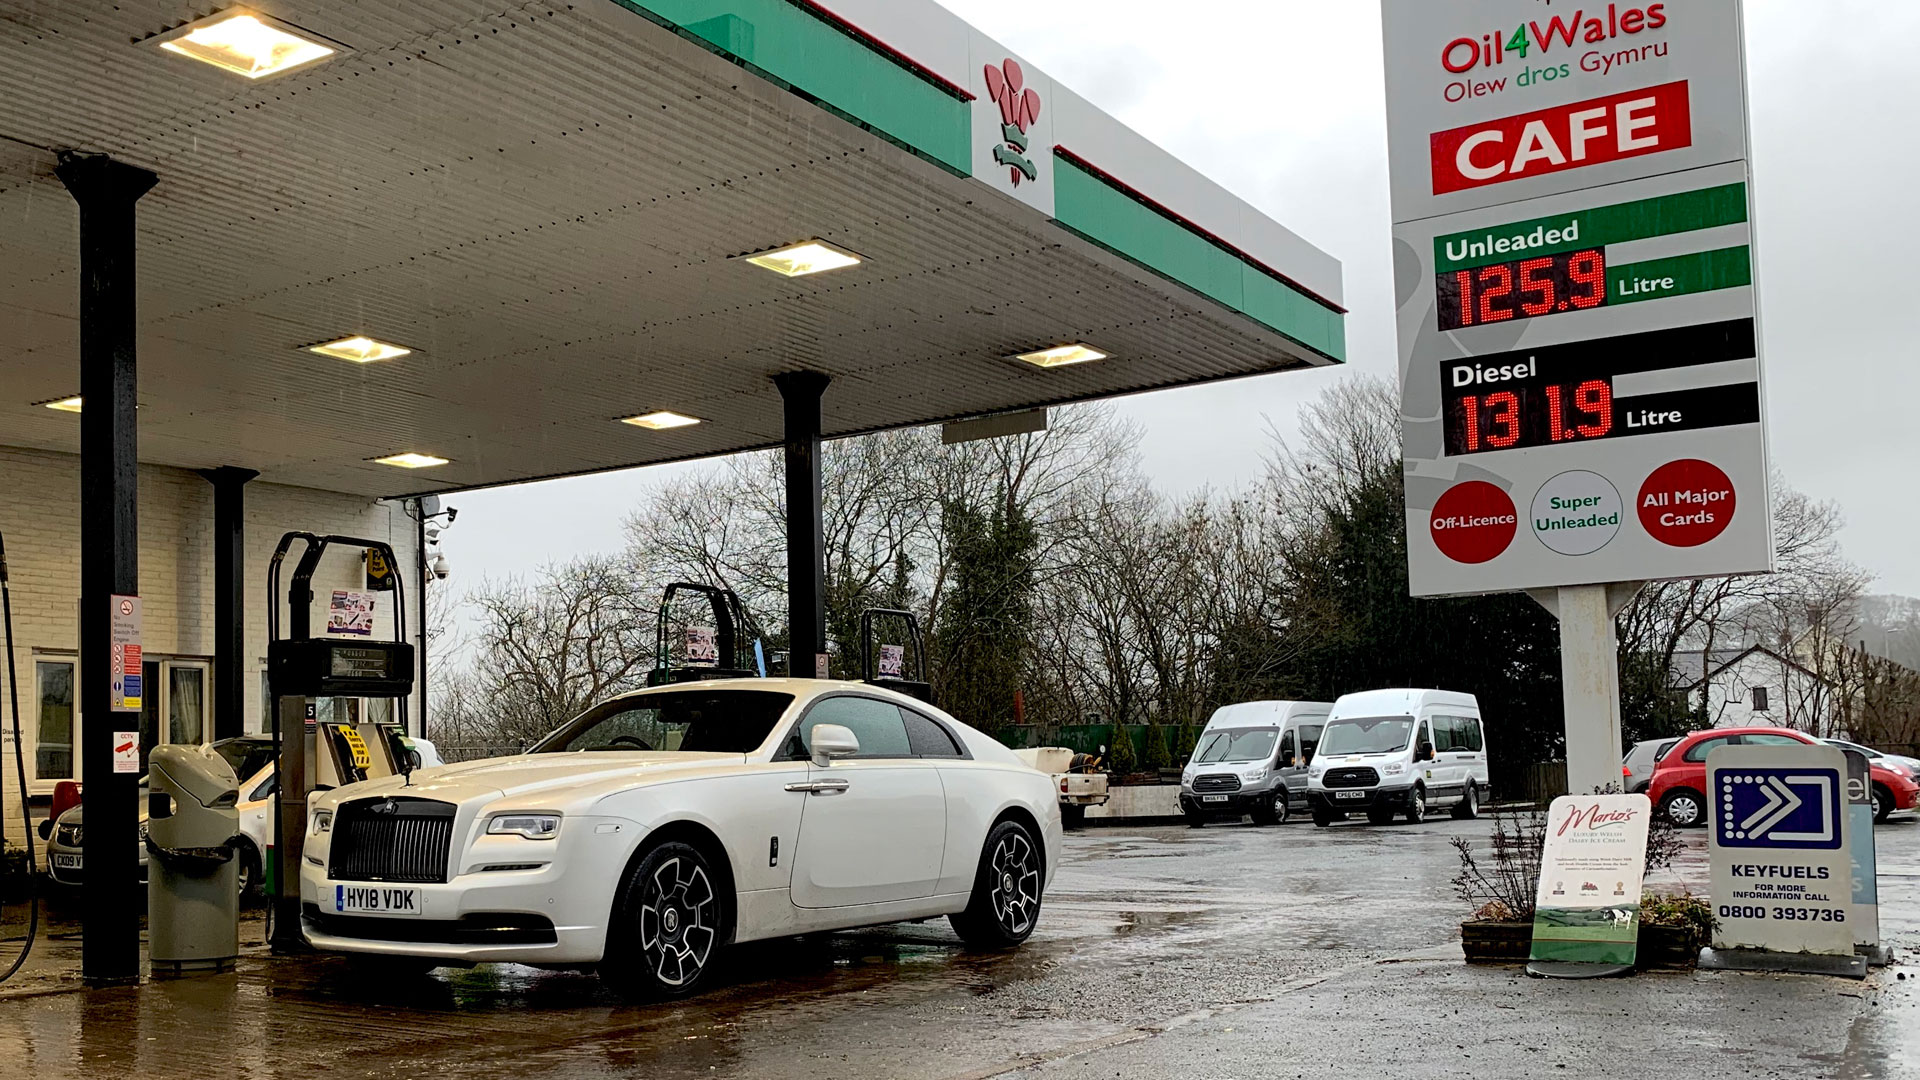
(67, 862)
(1349, 794)
(375, 900)
(1213, 798)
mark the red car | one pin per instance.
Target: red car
(1679, 784)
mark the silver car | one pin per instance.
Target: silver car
(65, 864)
(1640, 761)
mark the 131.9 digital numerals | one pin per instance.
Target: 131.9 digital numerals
(1522, 289)
(1529, 416)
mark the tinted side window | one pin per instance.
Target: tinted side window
(1699, 751)
(1770, 740)
(1309, 741)
(927, 738)
(1446, 734)
(877, 724)
(1286, 747)
(1475, 739)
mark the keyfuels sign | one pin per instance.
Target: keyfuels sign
(1575, 284)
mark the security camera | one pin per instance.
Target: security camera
(452, 512)
(440, 567)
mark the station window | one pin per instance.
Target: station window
(1759, 699)
(53, 746)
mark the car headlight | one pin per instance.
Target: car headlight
(533, 826)
(1396, 769)
(1254, 776)
(1315, 772)
(320, 822)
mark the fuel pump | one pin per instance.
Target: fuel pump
(316, 754)
(737, 650)
(891, 670)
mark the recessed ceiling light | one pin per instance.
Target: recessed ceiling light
(409, 461)
(65, 404)
(810, 257)
(245, 43)
(1062, 356)
(360, 350)
(661, 421)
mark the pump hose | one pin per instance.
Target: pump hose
(19, 771)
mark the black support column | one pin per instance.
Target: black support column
(806, 530)
(229, 599)
(109, 551)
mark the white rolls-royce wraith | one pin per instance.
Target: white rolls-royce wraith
(659, 826)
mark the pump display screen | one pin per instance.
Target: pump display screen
(1522, 289)
(354, 663)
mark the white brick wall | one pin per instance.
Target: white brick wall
(40, 517)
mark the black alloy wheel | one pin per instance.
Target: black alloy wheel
(1006, 890)
(669, 923)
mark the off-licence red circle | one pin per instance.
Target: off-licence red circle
(1474, 522)
(1686, 503)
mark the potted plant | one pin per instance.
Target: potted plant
(1502, 891)
(1500, 930)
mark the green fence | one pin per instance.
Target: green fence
(1087, 738)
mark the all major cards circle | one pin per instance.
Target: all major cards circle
(1474, 522)
(1687, 503)
(1577, 513)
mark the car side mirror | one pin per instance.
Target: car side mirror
(831, 741)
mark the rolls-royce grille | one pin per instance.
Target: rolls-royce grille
(1216, 782)
(392, 839)
(1351, 778)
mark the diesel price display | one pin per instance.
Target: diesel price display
(1606, 389)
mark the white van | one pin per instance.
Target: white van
(1399, 752)
(1252, 759)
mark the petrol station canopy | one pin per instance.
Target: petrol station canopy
(548, 204)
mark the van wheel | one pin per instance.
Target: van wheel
(1280, 808)
(1195, 819)
(1322, 818)
(1380, 816)
(1417, 805)
(1468, 807)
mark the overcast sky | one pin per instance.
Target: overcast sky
(1282, 102)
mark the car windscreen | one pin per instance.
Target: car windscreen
(1236, 744)
(1366, 735)
(714, 721)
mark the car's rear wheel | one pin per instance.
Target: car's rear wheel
(249, 868)
(1006, 890)
(1882, 803)
(668, 923)
(1685, 807)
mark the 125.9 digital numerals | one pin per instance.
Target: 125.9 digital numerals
(1522, 289)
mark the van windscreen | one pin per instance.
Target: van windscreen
(1236, 744)
(1366, 735)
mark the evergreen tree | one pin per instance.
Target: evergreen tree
(1156, 756)
(1120, 759)
(985, 632)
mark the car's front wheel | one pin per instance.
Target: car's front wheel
(668, 923)
(1006, 890)
(1882, 803)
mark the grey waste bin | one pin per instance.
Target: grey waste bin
(193, 877)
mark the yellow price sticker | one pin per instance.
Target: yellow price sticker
(362, 757)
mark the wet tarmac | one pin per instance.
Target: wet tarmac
(1232, 951)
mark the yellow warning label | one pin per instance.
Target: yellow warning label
(362, 757)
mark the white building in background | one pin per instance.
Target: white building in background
(40, 519)
(1755, 687)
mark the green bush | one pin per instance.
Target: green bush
(1156, 756)
(1120, 759)
(1684, 910)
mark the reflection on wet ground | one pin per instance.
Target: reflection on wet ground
(1143, 929)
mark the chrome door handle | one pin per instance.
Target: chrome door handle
(820, 787)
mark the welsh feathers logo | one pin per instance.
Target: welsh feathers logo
(1019, 109)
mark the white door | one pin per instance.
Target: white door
(874, 827)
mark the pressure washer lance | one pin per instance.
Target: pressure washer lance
(19, 772)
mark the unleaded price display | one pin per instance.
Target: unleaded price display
(1522, 289)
